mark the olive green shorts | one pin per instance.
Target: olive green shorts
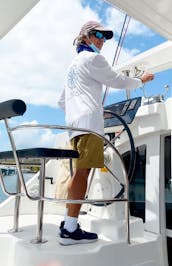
(90, 149)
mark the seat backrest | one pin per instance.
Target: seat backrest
(11, 108)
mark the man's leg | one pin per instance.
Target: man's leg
(76, 190)
(90, 150)
(70, 231)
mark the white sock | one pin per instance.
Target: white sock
(70, 223)
(66, 213)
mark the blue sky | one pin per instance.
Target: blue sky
(35, 54)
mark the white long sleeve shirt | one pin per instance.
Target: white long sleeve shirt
(81, 98)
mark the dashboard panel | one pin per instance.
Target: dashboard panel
(126, 109)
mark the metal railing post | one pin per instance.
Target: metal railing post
(127, 212)
(127, 217)
(16, 208)
(39, 229)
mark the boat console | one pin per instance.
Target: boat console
(126, 109)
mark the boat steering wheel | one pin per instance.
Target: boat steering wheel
(132, 163)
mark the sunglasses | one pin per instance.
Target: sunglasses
(98, 34)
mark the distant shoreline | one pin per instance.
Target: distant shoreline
(10, 182)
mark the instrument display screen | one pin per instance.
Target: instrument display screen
(126, 109)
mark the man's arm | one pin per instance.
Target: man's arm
(61, 100)
(100, 70)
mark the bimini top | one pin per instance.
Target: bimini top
(12, 11)
(154, 14)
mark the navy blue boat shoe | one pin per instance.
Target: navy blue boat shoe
(79, 236)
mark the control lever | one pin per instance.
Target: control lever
(127, 73)
(166, 89)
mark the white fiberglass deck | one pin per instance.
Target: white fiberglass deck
(17, 250)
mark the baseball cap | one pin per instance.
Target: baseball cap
(94, 25)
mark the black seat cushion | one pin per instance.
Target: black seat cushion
(40, 153)
(12, 108)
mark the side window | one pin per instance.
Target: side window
(168, 181)
(137, 184)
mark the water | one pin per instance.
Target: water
(10, 182)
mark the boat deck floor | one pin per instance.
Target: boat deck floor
(24, 253)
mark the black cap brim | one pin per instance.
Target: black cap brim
(108, 34)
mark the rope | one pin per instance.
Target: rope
(122, 40)
(118, 49)
(119, 41)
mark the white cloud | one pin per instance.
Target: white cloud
(34, 137)
(109, 52)
(115, 19)
(35, 54)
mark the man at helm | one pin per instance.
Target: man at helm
(81, 99)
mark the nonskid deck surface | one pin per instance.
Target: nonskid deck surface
(27, 230)
(20, 243)
(103, 227)
(19, 248)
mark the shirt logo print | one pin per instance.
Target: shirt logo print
(72, 79)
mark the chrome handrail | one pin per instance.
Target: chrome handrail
(109, 144)
(18, 166)
(86, 201)
(41, 197)
(4, 188)
(24, 126)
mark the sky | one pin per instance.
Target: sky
(35, 54)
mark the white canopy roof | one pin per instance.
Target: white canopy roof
(12, 11)
(156, 14)
(154, 60)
